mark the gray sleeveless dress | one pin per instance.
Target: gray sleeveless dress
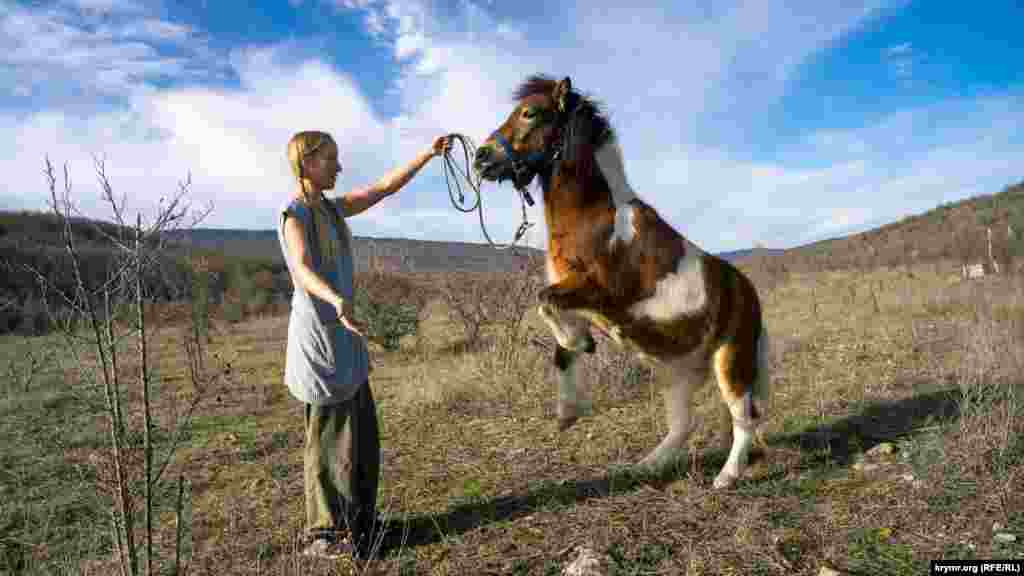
(325, 363)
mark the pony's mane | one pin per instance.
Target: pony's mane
(588, 125)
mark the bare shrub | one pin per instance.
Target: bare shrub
(481, 300)
(391, 304)
(493, 364)
(110, 332)
(471, 299)
(248, 289)
(991, 393)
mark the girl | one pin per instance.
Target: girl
(326, 362)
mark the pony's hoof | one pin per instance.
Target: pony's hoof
(724, 481)
(566, 422)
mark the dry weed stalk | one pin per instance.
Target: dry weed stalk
(95, 332)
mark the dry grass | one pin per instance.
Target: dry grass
(476, 479)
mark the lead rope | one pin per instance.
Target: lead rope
(452, 171)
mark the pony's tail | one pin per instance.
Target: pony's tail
(760, 390)
(762, 382)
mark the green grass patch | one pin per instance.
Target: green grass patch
(644, 561)
(959, 551)
(784, 518)
(873, 551)
(204, 428)
(953, 491)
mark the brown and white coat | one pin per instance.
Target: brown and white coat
(615, 264)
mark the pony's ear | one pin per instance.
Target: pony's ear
(562, 90)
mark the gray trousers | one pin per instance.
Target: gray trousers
(342, 468)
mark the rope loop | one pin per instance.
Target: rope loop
(452, 171)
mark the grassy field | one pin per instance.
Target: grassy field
(895, 438)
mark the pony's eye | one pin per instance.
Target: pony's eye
(529, 113)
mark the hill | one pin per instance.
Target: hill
(389, 254)
(951, 234)
(954, 233)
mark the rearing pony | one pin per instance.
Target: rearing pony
(614, 263)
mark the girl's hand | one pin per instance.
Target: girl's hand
(441, 145)
(346, 316)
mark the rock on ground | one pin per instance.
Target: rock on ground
(587, 563)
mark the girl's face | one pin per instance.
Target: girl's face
(322, 167)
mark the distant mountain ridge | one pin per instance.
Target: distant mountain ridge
(391, 254)
(955, 230)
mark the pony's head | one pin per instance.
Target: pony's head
(550, 122)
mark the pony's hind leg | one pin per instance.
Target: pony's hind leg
(741, 378)
(678, 395)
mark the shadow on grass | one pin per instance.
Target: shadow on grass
(838, 442)
(829, 445)
(417, 530)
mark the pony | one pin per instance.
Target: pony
(614, 264)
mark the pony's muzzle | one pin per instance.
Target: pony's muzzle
(483, 154)
(484, 162)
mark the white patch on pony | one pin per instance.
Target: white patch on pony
(609, 160)
(742, 438)
(678, 294)
(678, 398)
(625, 225)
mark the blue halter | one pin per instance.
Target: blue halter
(532, 160)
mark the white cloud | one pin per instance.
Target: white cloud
(896, 49)
(357, 4)
(233, 142)
(408, 45)
(158, 29)
(104, 7)
(668, 76)
(375, 25)
(108, 51)
(900, 59)
(510, 32)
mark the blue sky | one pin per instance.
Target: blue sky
(743, 122)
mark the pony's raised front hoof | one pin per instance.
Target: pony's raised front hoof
(724, 481)
(566, 422)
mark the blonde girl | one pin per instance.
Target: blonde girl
(326, 363)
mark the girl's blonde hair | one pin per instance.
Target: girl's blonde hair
(303, 145)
